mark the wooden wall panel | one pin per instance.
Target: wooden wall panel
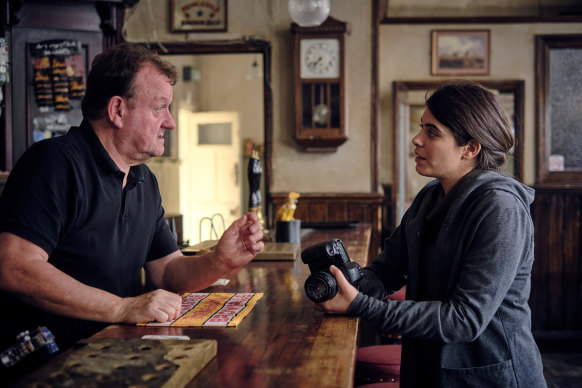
(337, 207)
(339, 212)
(556, 297)
(556, 263)
(359, 212)
(572, 263)
(539, 290)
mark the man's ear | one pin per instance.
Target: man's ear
(472, 149)
(115, 110)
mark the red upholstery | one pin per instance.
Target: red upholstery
(379, 363)
(398, 295)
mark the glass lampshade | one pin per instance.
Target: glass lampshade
(309, 13)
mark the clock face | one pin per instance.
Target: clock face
(320, 58)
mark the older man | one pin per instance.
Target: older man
(81, 214)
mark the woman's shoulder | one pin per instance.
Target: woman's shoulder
(491, 187)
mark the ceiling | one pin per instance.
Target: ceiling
(482, 8)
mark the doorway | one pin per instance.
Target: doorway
(210, 171)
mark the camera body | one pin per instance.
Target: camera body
(321, 284)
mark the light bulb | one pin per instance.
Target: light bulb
(308, 13)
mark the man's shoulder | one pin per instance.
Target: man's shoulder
(71, 139)
(52, 156)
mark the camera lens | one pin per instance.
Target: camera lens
(320, 286)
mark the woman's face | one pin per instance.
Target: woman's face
(437, 153)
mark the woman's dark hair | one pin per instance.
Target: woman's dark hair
(471, 111)
(113, 74)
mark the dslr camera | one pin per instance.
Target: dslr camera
(321, 285)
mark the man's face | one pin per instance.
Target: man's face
(147, 117)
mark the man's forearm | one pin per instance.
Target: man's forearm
(40, 284)
(192, 273)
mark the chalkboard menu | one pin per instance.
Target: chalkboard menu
(58, 72)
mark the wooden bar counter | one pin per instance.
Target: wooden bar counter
(284, 341)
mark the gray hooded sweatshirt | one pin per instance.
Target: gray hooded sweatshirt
(466, 260)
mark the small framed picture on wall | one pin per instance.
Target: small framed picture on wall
(198, 16)
(460, 52)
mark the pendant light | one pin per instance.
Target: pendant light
(308, 13)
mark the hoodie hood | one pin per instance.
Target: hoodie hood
(477, 183)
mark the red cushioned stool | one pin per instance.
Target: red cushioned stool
(381, 385)
(378, 364)
(398, 295)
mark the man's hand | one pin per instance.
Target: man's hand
(240, 242)
(346, 293)
(158, 305)
(237, 246)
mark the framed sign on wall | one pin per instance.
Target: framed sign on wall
(460, 52)
(198, 16)
(56, 75)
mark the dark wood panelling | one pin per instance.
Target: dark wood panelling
(556, 296)
(337, 207)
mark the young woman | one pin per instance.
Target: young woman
(464, 250)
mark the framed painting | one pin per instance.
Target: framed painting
(198, 16)
(460, 52)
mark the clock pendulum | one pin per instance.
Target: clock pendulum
(320, 111)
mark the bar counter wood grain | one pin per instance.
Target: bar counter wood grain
(284, 341)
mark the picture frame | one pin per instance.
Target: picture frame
(460, 52)
(198, 16)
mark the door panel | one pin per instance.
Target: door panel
(210, 171)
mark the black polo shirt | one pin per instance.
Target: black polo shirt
(65, 195)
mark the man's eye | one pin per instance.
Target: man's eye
(160, 109)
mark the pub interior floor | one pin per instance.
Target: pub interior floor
(562, 359)
(562, 363)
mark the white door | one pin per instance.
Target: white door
(210, 171)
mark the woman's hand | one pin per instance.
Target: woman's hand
(346, 293)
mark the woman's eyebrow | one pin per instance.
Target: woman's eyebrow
(429, 125)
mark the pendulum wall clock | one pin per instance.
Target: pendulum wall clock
(320, 85)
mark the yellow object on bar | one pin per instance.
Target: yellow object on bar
(287, 211)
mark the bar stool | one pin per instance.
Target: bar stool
(378, 364)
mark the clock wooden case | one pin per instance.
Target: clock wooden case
(320, 85)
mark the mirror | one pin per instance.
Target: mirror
(409, 104)
(222, 109)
